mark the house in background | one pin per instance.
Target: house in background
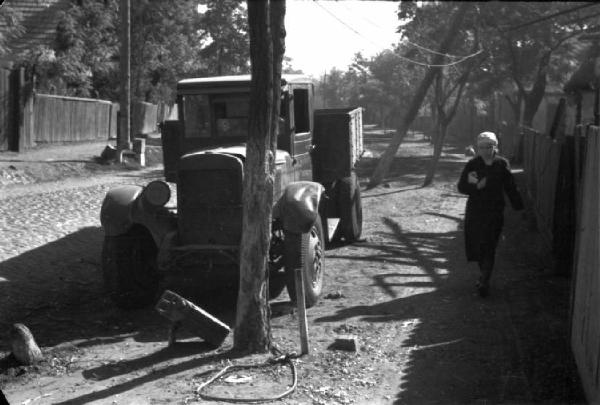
(39, 19)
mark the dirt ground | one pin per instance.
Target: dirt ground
(405, 292)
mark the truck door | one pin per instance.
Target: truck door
(302, 130)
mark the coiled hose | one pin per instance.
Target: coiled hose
(281, 359)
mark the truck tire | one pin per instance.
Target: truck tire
(350, 208)
(307, 251)
(129, 268)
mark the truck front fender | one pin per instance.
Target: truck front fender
(116, 211)
(298, 206)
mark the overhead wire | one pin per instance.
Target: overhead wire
(405, 40)
(462, 59)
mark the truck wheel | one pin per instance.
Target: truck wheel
(307, 251)
(350, 206)
(129, 268)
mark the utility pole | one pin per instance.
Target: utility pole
(124, 141)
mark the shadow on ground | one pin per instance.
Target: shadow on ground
(511, 347)
(57, 291)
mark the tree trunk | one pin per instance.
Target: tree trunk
(124, 102)
(277, 20)
(252, 331)
(388, 156)
(437, 152)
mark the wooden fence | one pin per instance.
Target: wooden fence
(551, 168)
(562, 177)
(585, 308)
(541, 161)
(59, 119)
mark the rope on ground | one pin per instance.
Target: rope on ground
(281, 359)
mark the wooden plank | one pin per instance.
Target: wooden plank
(181, 311)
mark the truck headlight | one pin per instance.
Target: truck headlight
(157, 193)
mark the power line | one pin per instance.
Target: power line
(405, 40)
(343, 23)
(431, 50)
(400, 56)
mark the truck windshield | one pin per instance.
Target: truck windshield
(196, 116)
(227, 114)
(220, 115)
(231, 115)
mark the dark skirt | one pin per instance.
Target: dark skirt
(482, 230)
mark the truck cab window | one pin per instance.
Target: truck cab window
(283, 139)
(231, 115)
(301, 110)
(196, 116)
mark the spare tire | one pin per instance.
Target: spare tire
(306, 251)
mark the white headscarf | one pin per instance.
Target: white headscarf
(487, 138)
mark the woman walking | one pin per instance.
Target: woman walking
(485, 179)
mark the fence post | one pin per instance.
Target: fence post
(139, 148)
(27, 123)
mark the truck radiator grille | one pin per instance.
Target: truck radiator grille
(210, 207)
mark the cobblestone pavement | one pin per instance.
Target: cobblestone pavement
(34, 215)
(51, 241)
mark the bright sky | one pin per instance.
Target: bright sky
(323, 34)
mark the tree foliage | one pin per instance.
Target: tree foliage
(525, 52)
(523, 55)
(10, 19)
(169, 41)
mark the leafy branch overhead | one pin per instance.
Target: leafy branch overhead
(170, 40)
(518, 49)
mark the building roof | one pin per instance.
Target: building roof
(39, 19)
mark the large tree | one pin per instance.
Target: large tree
(421, 37)
(535, 52)
(448, 91)
(267, 44)
(408, 116)
(531, 45)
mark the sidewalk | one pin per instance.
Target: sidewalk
(56, 162)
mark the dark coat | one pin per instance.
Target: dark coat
(484, 215)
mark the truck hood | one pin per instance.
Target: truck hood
(238, 151)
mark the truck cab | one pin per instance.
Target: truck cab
(204, 153)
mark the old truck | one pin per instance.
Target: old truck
(195, 242)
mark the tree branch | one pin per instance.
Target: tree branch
(514, 66)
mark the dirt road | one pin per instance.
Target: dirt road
(405, 291)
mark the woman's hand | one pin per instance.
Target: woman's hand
(481, 183)
(472, 178)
